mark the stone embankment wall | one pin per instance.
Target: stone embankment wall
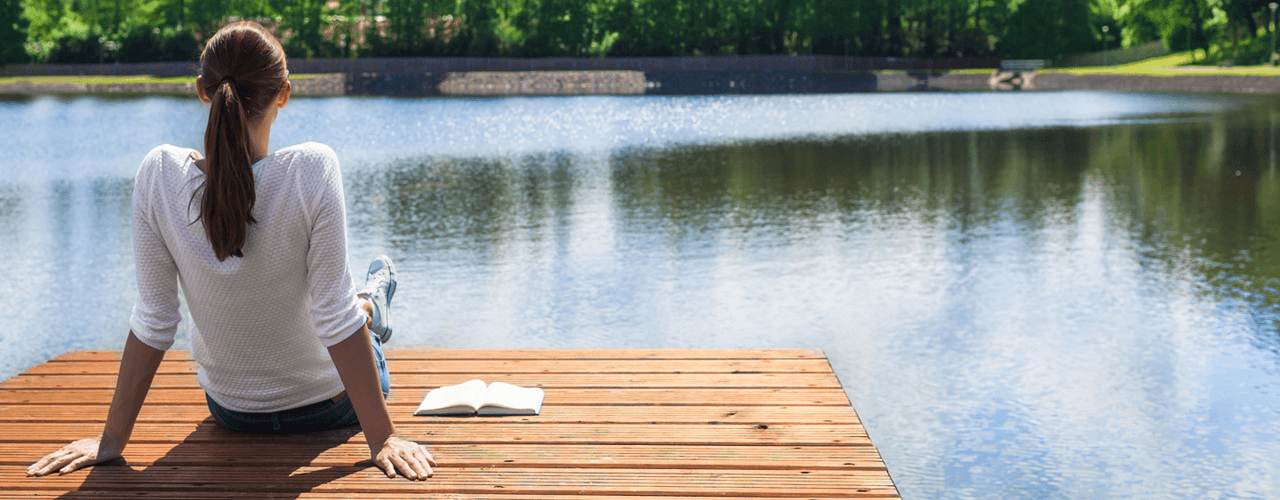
(547, 76)
(495, 83)
(634, 76)
(422, 65)
(318, 85)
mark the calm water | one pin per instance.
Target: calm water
(1046, 295)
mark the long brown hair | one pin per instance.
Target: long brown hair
(243, 70)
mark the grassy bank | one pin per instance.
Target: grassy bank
(1179, 64)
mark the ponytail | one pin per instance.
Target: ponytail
(228, 187)
(242, 70)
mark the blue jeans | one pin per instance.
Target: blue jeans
(314, 417)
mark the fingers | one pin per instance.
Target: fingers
(426, 460)
(34, 469)
(76, 464)
(408, 467)
(48, 463)
(404, 467)
(412, 460)
(52, 462)
(420, 467)
(385, 463)
(420, 459)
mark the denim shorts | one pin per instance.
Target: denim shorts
(314, 417)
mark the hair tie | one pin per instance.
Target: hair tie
(228, 78)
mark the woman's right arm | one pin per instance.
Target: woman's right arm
(137, 369)
(152, 327)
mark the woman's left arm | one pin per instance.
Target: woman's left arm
(137, 369)
(341, 325)
(354, 359)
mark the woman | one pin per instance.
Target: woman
(258, 242)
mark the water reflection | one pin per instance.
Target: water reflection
(1062, 313)
(1086, 309)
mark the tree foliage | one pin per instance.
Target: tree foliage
(13, 32)
(108, 30)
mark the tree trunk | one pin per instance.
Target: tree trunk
(896, 45)
(1235, 40)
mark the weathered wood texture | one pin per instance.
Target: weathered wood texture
(625, 423)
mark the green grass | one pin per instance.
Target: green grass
(106, 79)
(1177, 64)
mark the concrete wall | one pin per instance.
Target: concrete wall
(427, 76)
(404, 65)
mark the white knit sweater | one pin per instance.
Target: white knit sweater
(262, 323)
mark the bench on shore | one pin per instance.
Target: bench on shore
(1016, 74)
(616, 423)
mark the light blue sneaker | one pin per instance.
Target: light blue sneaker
(379, 287)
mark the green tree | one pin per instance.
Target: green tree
(13, 32)
(404, 25)
(480, 19)
(303, 18)
(1047, 29)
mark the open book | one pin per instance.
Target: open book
(473, 396)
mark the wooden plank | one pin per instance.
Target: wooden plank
(562, 414)
(471, 366)
(479, 431)
(167, 367)
(496, 354)
(346, 495)
(544, 380)
(487, 455)
(464, 481)
(412, 397)
(657, 423)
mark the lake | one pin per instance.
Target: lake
(1026, 295)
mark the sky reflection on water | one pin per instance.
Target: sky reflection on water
(1043, 295)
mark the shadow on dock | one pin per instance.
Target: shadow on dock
(228, 464)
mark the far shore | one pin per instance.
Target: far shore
(1172, 73)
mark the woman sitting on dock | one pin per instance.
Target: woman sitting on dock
(258, 242)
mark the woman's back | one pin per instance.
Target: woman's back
(261, 320)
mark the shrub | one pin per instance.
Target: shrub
(13, 32)
(1252, 51)
(148, 44)
(79, 45)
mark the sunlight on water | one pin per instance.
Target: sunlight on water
(1041, 295)
(76, 138)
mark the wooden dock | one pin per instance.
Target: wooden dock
(616, 423)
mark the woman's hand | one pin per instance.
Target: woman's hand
(82, 453)
(138, 367)
(413, 459)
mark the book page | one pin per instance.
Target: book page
(453, 399)
(507, 399)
